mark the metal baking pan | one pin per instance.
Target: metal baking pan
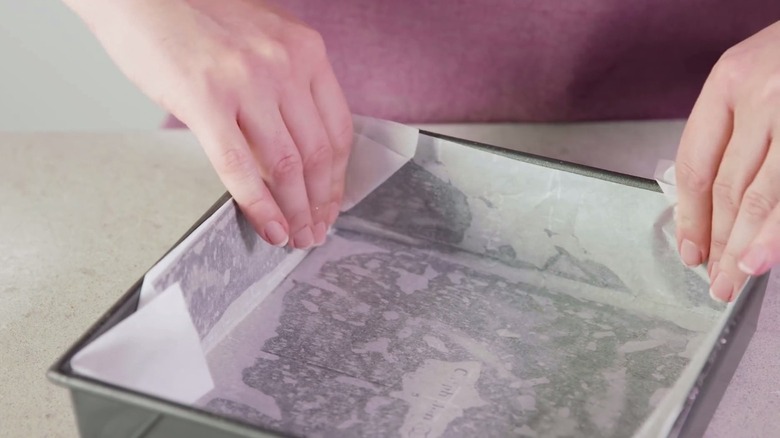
(105, 409)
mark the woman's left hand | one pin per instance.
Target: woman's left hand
(728, 168)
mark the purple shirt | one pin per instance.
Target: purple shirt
(528, 60)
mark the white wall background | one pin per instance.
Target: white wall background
(55, 76)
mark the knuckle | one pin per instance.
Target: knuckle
(308, 42)
(212, 89)
(270, 59)
(717, 246)
(757, 203)
(277, 59)
(201, 85)
(245, 66)
(731, 69)
(232, 162)
(213, 85)
(286, 168)
(692, 179)
(770, 91)
(725, 194)
(322, 155)
(253, 203)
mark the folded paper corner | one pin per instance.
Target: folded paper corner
(157, 352)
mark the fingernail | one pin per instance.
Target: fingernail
(754, 261)
(304, 238)
(333, 213)
(690, 254)
(320, 233)
(275, 234)
(722, 288)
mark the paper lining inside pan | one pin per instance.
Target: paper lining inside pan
(467, 294)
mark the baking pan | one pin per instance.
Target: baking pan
(105, 409)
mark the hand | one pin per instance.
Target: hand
(728, 167)
(256, 88)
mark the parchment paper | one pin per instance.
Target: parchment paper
(464, 294)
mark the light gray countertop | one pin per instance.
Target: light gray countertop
(84, 215)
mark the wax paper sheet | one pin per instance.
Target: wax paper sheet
(468, 294)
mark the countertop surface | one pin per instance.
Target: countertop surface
(84, 215)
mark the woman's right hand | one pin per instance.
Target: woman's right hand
(256, 88)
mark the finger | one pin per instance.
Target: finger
(229, 153)
(335, 115)
(758, 202)
(764, 252)
(281, 168)
(701, 148)
(760, 206)
(735, 221)
(304, 124)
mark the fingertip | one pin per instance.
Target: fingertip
(754, 261)
(715, 297)
(303, 238)
(320, 233)
(266, 218)
(722, 288)
(275, 234)
(690, 253)
(693, 241)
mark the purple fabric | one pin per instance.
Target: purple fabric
(528, 60)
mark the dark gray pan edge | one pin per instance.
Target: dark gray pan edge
(579, 169)
(716, 374)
